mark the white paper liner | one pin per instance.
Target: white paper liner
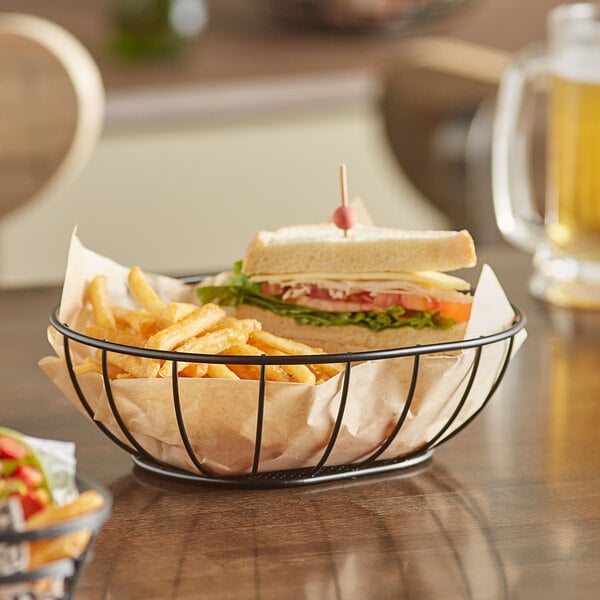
(220, 414)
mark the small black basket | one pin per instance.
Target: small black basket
(67, 570)
(320, 472)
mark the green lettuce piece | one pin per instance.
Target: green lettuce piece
(240, 290)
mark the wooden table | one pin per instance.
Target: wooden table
(510, 508)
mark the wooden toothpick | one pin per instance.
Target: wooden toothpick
(344, 183)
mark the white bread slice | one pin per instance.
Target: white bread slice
(324, 249)
(348, 338)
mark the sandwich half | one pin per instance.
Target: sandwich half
(372, 289)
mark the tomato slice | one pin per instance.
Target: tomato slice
(419, 302)
(31, 476)
(34, 501)
(11, 448)
(271, 289)
(320, 298)
(459, 311)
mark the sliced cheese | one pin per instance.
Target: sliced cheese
(434, 279)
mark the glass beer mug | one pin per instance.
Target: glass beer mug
(565, 240)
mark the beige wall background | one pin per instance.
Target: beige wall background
(186, 197)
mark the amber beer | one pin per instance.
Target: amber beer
(573, 187)
(565, 237)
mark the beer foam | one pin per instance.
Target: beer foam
(577, 64)
(575, 49)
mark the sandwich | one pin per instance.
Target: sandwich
(365, 289)
(22, 474)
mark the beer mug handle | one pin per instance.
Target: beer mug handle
(517, 216)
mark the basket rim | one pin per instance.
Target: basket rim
(90, 520)
(519, 322)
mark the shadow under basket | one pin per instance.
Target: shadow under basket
(64, 573)
(257, 477)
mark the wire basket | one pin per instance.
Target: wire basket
(63, 573)
(257, 477)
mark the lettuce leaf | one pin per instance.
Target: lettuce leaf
(240, 290)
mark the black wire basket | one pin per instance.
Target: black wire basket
(63, 573)
(256, 476)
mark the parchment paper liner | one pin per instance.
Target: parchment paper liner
(220, 415)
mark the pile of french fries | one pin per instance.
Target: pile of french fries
(188, 328)
(73, 544)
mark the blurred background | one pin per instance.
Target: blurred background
(188, 125)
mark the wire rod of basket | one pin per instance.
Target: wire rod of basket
(320, 471)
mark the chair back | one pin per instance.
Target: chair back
(51, 108)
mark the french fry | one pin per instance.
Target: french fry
(69, 545)
(325, 371)
(139, 320)
(243, 350)
(53, 514)
(98, 295)
(194, 324)
(88, 365)
(300, 373)
(114, 372)
(272, 372)
(247, 325)
(118, 336)
(134, 365)
(72, 545)
(213, 342)
(175, 311)
(263, 339)
(220, 371)
(144, 292)
(272, 343)
(245, 371)
(194, 370)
